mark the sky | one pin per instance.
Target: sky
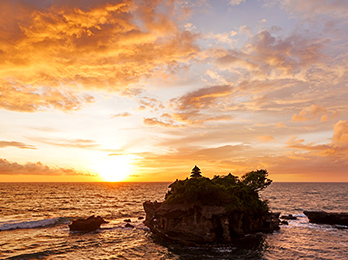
(131, 90)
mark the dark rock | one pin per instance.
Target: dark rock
(127, 220)
(290, 216)
(332, 218)
(129, 225)
(191, 224)
(89, 224)
(284, 222)
(141, 218)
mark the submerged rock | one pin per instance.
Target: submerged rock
(204, 224)
(322, 217)
(290, 216)
(89, 224)
(129, 225)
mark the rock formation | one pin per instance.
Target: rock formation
(89, 224)
(322, 217)
(204, 224)
(203, 210)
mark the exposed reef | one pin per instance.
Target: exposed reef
(202, 210)
(332, 218)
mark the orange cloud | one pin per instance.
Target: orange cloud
(265, 138)
(157, 122)
(73, 143)
(125, 114)
(337, 148)
(312, 113)
(195, 117)
(23, 98)
(93, 45)
(13, 168)
(201, 105)
(16, 144)
(341, 132)
(294, 141)
(152, 103)
(203, 97)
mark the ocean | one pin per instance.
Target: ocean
(34, 220)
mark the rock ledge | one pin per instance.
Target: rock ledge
(322, 217)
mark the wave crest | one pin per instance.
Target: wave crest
(27, 224)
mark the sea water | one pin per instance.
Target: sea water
(34, 220)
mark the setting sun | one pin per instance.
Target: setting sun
(115, 168)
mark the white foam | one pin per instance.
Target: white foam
(299, 215)
(27, 224)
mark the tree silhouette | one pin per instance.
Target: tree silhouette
(196, 172)
(256, 180)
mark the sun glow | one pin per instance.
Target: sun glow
(115, 168)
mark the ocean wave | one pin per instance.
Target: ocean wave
(28, 224)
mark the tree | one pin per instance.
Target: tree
(196, 172)
(256, 180)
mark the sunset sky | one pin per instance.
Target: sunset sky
(144, 90)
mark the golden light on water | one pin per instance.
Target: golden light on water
(115, 168)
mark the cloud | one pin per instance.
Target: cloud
(77, 46)
(157, 122)
(341, 132)
(312, 113)
(16, 144)
(235, 2)
(337, 148)
(203, 97)
(69, 143)
(310, 8)
(245, 30)
(194, 117)
(212, 150)
(196, 107)
(265, 138)
(265, 53)
(148, 102)
(222, 37)
(289, 55)
(13, 168)
(24, 98)
(125, 114)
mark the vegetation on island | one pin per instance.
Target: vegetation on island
(229, 191)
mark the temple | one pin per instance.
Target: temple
(196, 172)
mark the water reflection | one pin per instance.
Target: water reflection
(251, 247)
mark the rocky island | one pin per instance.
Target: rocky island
(202, 210)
